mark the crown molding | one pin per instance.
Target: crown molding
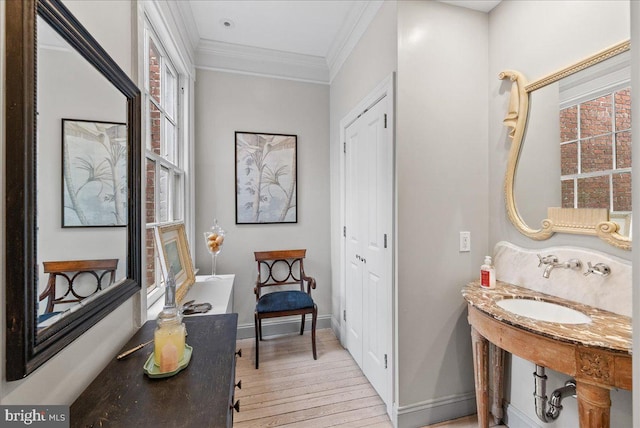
(168, 22)
(214, 55)
(353, 28)
(189, 27)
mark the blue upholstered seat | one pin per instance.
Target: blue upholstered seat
(276, 269)
(284, 301)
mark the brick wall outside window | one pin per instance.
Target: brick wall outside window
(595, 152)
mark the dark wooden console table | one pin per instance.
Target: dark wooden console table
(201, 395)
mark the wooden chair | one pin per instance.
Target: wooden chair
(70, 270)
(280, 268)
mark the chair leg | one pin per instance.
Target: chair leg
(302, 324)
(313, 331)
(256, 321)
(260, 327)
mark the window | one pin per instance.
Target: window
(164, 171)
(596, 152)
(595, 139)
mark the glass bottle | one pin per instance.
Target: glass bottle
(170, 333)
(214, 240)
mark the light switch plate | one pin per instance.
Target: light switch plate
(465, 242)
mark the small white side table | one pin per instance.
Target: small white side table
(217, 291)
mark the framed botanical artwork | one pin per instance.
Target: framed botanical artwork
(94, 173)
(266, 178)
(173, 251)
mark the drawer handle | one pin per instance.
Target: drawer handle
(239, 384)
(236, 406)
(239, 353)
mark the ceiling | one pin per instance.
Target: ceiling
(299, 39)
(304, 27)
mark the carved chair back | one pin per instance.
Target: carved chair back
(280, 268)
(70, 270)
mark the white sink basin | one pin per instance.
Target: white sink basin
(544, 311)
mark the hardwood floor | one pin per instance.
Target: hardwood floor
(292, 389)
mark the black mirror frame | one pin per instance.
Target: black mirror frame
(26, 351)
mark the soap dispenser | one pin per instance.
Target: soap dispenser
(487, 274)
(170, 333)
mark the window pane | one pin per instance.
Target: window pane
(622, 192)
(623, 109)
(150, 192)
(169, 104)
(569, 124)
(595, 117)
(178, 192)
(154, 140)
(170, 142)
(593, 192)
(163, 195)
(151, 260)
(154, 71)
(569, 158)
(596, 154)
(568, 194)
(623, 149)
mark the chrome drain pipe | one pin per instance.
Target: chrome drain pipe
(540, 395)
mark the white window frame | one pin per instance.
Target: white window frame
(154, 26)
(605, 78)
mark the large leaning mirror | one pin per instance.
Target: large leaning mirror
(72, 183)
(569, 167)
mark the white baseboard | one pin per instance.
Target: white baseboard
(436, 410)
(515, 418)
(285, 325)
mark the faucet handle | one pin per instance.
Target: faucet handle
(599, 269)
(547, 260)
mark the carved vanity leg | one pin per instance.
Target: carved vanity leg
(497, 367)
(594, 406)
(481, 370)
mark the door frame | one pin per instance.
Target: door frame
(386, 88)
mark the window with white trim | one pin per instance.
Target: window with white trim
(164, 150)
(595, 140)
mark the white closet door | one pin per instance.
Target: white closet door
(368, 217)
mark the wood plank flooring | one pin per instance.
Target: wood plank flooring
(291, 389)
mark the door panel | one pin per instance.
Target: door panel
(354, 279)
(368, 218)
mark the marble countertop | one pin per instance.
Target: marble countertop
(607, 330)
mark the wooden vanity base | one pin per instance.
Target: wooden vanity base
(594, 405)
(481, 370)
(596, 371)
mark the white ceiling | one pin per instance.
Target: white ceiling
(304, 27)
(300, 39)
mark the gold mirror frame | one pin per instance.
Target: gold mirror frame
(582, 221)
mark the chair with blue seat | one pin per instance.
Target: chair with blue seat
(280, 269)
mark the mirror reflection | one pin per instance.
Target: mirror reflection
(579, 129)
(81, 180)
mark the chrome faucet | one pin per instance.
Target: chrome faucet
(551, 263)
(570, 264)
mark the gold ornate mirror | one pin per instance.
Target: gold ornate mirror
(576, 169)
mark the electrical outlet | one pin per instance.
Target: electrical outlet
(465, 242)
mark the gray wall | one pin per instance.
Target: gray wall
(537, 38)
(225, 103)
(69, 87)
(442, 172)
(61, 379)
(372, 60)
